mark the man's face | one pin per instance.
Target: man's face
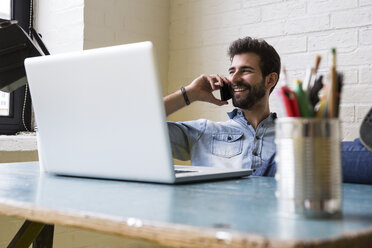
(247, 83)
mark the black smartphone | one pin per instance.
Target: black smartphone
(225, 92)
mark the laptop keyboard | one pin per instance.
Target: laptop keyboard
(183, 171)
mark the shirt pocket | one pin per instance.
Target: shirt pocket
(227, 145)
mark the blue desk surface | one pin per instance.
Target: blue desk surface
(235, 212)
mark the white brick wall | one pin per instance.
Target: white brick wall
(61, 24)
(351, 18)
(200, 32)
(330, 5)
(115, 22)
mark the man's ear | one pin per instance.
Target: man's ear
(271, 80)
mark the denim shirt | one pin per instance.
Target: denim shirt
(230, 144)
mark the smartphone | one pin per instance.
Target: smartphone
(225, 92)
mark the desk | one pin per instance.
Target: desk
(233, 213)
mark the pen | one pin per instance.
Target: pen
(306, 109)
(290, 102)
(321, 109)
(331, 100)
(311, 75)
(340, 78)
(321, 106)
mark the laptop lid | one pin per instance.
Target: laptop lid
(100, 113)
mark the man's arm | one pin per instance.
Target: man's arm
(199, 90)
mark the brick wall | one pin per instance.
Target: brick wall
(115, 22)
(61, 24)
(200, 32)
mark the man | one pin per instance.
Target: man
(247, 139)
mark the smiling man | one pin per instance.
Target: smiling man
(246, 140)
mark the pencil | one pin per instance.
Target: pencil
(332, 97)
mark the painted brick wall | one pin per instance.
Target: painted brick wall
(201, 30)
(115, 22)
(61, 24)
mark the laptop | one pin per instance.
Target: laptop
(100, 114)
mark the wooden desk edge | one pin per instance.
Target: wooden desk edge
(169, 234)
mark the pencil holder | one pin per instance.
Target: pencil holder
(308, 167)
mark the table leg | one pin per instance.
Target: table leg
(45, 238)
(40, 234)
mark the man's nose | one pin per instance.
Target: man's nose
(235, 77)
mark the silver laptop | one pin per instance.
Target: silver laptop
(100, 114)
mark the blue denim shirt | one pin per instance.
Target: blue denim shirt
(230, 144)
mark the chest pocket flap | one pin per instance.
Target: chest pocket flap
(227, 145)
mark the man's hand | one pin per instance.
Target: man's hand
(199, 90)
(202, 87)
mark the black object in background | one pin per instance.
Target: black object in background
(314, 91)
(19, 118)
(225, 92)
(365, 130)
(15, 47)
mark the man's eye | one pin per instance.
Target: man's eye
(231, 72)
(247, 71)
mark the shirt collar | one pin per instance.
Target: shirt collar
(233, 113)
(238, 112)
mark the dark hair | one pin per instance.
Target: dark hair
(269, 58)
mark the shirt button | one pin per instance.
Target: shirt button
(229, 138)
(257, 137)
(255, 154)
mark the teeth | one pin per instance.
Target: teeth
(239, 89)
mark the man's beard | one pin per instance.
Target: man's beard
(255, 94)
